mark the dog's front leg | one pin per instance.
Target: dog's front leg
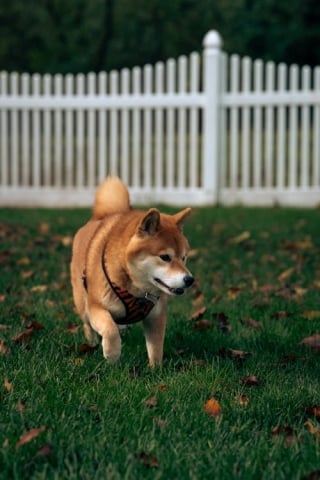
(154, 330)
(102, 322)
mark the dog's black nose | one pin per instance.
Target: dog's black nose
(188, 280)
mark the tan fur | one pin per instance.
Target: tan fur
(137, 247)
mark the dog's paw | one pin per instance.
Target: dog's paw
(111, 350)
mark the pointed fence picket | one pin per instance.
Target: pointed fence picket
(197, 130)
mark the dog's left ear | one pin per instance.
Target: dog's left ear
(150, 222)
(180, 217)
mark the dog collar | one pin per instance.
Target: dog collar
(137, 308)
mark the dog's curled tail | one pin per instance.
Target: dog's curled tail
(112, 196)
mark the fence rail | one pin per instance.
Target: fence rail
(198, 130)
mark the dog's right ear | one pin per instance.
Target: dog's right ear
(150, 222)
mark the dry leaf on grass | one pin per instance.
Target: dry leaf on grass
(72, 328)
(23, 262)
(23, 337)
(212, 407)
(85, 348)
(35, 325)
(286, 274)
(151, 402)
(250, 322)
(159, 421)
(234, 354)
(223, 322)
(39, 288)
(250, 381)
(233, 292)
(311, 314)
(314, 429)
(45, 450)
(242, 237)
(198, 313)
(244, 400)
(7, 385)
(30, 435)
(148, 460)
(285, 431)
(313, 342)
(202, 325)
(314, 411)
(4, 350)
(315, 475)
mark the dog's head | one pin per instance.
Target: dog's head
(157, 253)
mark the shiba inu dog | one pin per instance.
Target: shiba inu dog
(125, 265)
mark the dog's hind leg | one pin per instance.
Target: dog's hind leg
(101, 322)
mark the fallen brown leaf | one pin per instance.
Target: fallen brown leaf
(23, 262)
(290, 358)
(313, 342)
(25, 274)
(151, 402)
(234, 354)
(305, 244)
(280, 315)
(45, 450)
(4, 327)
(234, 292)
(72, 328)
(250, 322)
(223, 323)
(193, 253)
(286, 274)
(244, 400)
(198, 313)
(242, 237)
(66, 241)
(23, 337)
(313, 429)
(311, 314)
(4, 350)
(159, 421)
(85, 348)
(286, 431)
(250, 381)
(35, 325)
(198, 299)
(21, 407)
(39, 288)
(7, 385)
(30, 435)
(202, 325)
(44, 228)
(148, 460)
(314, 411)
(315, 475)
(212, 407)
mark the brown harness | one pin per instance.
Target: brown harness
(137, 308)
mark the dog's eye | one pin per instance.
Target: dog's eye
(165, 258)
(184, 258)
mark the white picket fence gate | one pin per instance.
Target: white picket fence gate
(200, 130)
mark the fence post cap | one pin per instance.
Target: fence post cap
(212, 40)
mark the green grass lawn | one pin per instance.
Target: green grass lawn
(67, 414)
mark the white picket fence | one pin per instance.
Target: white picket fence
(200, 130)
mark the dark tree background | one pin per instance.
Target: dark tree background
(92, 35)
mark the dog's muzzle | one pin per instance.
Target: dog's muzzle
(187, 280)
